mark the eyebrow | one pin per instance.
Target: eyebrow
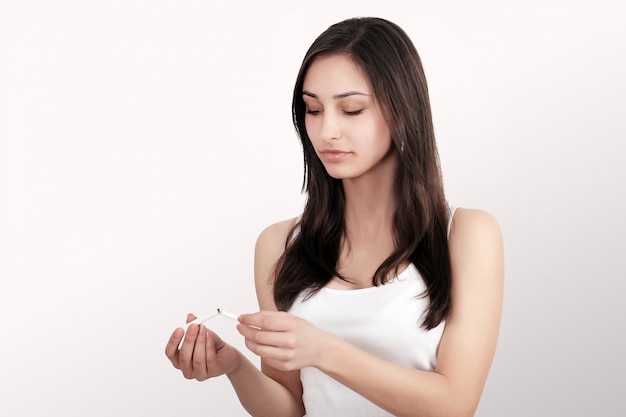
(336, 96)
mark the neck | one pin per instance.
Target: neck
(370, 201)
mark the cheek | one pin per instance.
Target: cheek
(311, 124)
(372, 133)
(381, 132)
(308, 125)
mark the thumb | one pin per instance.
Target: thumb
(191, 317)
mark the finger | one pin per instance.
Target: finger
(185, 353)
(281, 365)
(210, 353)
(265, 337)
(199, 355)
(190, 318)
(171, 349)
(276, 356)
(217, 342)
(268, 320)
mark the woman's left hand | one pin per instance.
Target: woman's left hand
(282, 340)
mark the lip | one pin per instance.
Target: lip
(334, 155)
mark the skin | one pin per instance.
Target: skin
(340, 120)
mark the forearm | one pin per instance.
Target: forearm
(468, 344)
(399, 390)
(260, 395)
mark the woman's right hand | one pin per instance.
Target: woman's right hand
(203, 354)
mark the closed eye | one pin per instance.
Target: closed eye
(353, 112)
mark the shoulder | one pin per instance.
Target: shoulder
(468, 344)
(273, 238)
(470, 221)
(269, 247)
(476, 244)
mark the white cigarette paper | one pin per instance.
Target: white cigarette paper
(228, 314)
(201, 320)
(208, 317)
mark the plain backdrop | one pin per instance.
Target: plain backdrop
(144, 144)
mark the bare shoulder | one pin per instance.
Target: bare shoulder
(472, 325)
(275, 235)
(471, 221)
(476, 244)
(270, 245)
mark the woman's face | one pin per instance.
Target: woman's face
(343, 120)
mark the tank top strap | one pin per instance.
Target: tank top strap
(452, 211)
(296, 230)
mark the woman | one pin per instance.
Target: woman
(379, 299)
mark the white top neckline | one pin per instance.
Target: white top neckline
(407, 273)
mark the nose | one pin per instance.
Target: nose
(329, 126)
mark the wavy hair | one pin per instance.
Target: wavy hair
(387, 55)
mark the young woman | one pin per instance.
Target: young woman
(379, 299)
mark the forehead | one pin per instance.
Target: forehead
(335, 74)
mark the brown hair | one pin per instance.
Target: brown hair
(386, 54)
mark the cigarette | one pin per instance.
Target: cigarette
(208, 317)
(201, 320)
(227, 314)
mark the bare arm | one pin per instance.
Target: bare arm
(465, 352)
(467, 346)
(269, 247)
(204, 355)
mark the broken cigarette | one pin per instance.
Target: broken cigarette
(227, 314)
(220, 312)
(208, 317)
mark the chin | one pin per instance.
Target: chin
(341, 174)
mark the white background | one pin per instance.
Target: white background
(145, 144)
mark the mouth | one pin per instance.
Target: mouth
(332, 155)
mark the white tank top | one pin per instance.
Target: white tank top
(382, 320)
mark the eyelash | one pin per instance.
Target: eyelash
(348, 113)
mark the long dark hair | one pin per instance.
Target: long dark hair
(387, 55)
